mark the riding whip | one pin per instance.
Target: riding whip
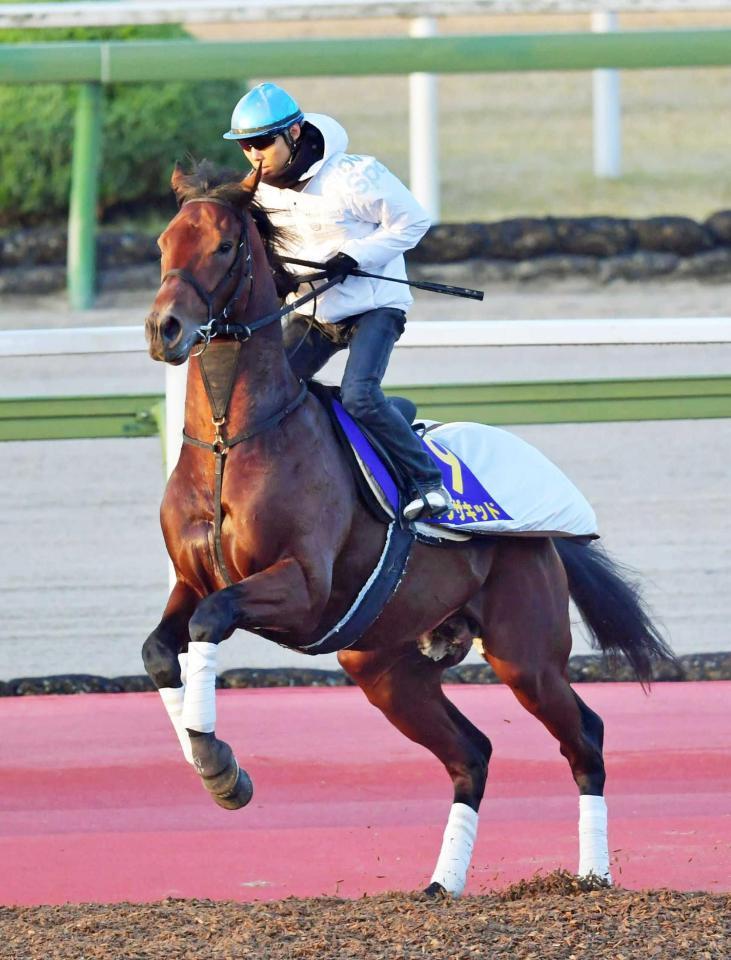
(467, 292)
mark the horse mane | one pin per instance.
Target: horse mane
(207, 179)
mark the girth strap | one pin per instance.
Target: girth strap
(219, 448)
(373, 597)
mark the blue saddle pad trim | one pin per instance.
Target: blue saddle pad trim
(472, 502)
(363, 447)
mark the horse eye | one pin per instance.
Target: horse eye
(225, 247)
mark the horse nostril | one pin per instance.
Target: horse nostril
(171, 330)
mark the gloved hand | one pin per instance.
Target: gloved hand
(340, 266)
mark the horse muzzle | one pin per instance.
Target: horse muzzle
(169, 337)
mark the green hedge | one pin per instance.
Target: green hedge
(146, 128)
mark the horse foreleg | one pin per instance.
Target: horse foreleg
(549, 697)
(213, 759)
(279, 598)
(164, 657)
(408, 692)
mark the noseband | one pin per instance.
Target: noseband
(246, 274)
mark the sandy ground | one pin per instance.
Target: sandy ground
(83, 576)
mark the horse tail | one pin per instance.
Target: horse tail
(611, 605)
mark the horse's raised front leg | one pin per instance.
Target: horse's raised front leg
(408, 691)
(165, 659)
(279, 597)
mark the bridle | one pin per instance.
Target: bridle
(218, 324)
(243, 262)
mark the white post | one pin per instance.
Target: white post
(175, 382)
(607, 108)
(424, 128)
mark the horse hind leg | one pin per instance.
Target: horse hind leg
(459, 836)
(408, 692)
(528, 646)
(593, 843)
(546, 693)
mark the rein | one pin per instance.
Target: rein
(242, 332)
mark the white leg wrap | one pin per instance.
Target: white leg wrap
(593, 843)
(172, 697)
(456, 853)
(199, 707)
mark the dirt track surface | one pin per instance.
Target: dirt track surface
(548, 918)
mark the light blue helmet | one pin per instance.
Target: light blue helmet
(265, 109)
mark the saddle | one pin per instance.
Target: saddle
(500, 485)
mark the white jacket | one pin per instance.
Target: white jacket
(354, 205)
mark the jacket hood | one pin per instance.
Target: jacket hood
(335, 137)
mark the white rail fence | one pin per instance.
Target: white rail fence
(437, 335)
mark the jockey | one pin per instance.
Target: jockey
(345, 211)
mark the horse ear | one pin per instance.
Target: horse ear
(251, 181)
(176, 181)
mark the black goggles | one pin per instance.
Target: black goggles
(258, 143)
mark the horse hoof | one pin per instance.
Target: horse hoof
(435, 891)
(240, 794)
(230, 787)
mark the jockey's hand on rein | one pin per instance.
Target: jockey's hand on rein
(340, 266)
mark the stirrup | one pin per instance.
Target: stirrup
(430, 503)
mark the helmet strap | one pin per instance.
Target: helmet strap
(292, 144)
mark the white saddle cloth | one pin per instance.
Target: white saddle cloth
(537, 497)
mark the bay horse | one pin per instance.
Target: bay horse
(280, 543)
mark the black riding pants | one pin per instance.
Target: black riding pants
(370, 338)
